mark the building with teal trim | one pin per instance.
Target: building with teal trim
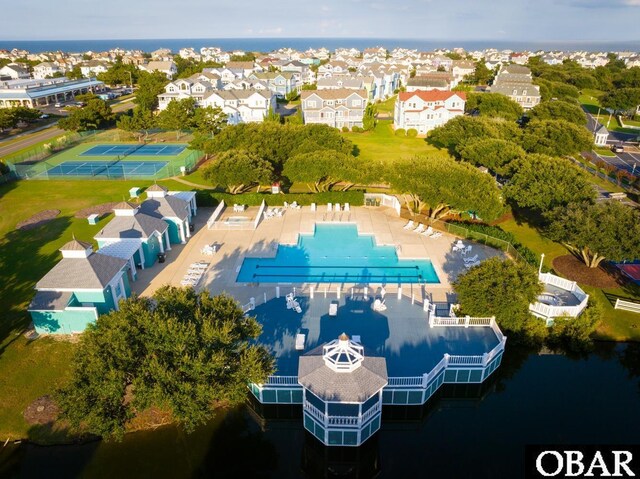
(177, 208)
(83, 285)
(148, 235)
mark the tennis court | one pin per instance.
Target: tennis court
(109, 169)
(139, 150)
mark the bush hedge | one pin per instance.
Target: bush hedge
(356, 129)
(412, 132)
(497, 232)
(345, 129)
(213, 198)
(400, 132)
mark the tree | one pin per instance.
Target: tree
(500, 288)
(150, 85)
(178, 115)
(321, 170)
(369, 118)
(555, 138)
(273, 117)
(120, 74)
(624, 100)
(180, 352)
(559, 110)
(75, 73)
(7, 118)
(494, 105)
(597, 231)
(239, 171)
(493, 153)
(444, 185)
(482, 75)
(209, 120)
(542, 183)
(574, 334)
(140, 121)
(462, 129)
(25, 114)
(95, 115)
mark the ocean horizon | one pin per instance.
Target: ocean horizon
(270, 44)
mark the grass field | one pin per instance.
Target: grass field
(603, 151)
(382, 144)
(616, 325)
(589, 100)
(29, 370)
(387, 107)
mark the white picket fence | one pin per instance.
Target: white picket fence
(627, 306)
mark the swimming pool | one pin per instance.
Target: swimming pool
(336, 254)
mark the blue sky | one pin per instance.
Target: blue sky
(527, 20)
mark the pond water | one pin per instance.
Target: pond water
(467, 431)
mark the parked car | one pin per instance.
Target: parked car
(58, 105)
(44, 116)
(617, 149)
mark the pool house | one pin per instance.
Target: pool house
(83, 285)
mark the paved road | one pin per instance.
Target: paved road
(51, 132)
(614, 136)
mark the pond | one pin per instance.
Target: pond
(468, 431)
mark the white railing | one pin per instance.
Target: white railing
(464, 321)
(215, 215)
(465, 360)
(250, 306)
(329, 420)
(627, 306)
(343, 421)
(371, 412)
(550, 311)
(410, 381)
(315, 412)
(282, 381)
(554, 280)
(427, 378)
(256, 222)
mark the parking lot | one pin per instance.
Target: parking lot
(629, 160)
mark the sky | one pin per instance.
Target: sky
(526, 20)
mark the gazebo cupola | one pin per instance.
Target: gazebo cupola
(76, 249)
(124, 208)
(156, 191)
(343, 355)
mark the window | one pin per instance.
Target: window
(311, 104)
(357, 102)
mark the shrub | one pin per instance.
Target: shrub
(345, 129)
(356, 129)
(213, 198)
(400, 132)
(412, 132)
(497, 232)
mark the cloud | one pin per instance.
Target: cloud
(271, 31)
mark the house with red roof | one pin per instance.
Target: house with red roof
(425, 110)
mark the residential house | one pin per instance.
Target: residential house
(515, 81)
(426, 110)
(193, 87)
(427, 83)
(338, 108)
(280, 83)
(462, 68)
(242, 106)
(333, 68)
(307, 75)
(14, 71)
(93, 68)
(351, 83)
(46, 70)
(83, 285)
(169, 68)
(242, 69)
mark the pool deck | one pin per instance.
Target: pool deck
(234, 245)
(401, 333)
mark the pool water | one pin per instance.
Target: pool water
(336, 254)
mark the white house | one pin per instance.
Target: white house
(93, 68)
(426, 110)
(14, 71)
(167, 67)
(46, 69)
(338, 107)
(242, 106)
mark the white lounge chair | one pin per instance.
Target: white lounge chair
(329, 207)
(296, 306)
(333, 309)
(471, 265)
(300, 338)
(347, 207)
(379, 305)
(313, 206)
(419, 229)
(473, 259)
(409, 225)
(428, 231)
(336, 207)
(436, 235)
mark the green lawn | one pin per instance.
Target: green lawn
(589, 100)
(30, 369)
(387, 106)
(602, 151)
(616, 325)
(382, 144)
